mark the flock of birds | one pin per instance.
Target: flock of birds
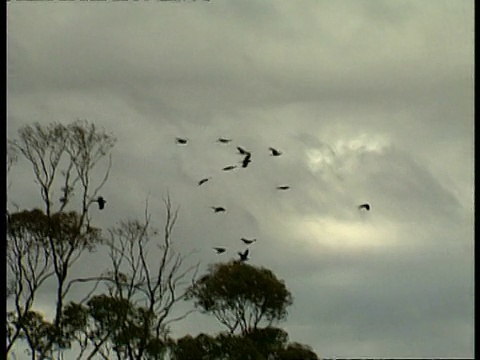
(244, 163)
(243, 256)
(247, 159)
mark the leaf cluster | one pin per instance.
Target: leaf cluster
(241, 294)
(261, 344)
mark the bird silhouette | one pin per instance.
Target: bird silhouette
(243, 256)
(220, 250)
(248, 241)
(218, 209)
(181, 141)
(242, 151)
(364, 206)
(246, 160)
(283, 187)
(101, 202)
(224, 140)
(203, 181)
(274, 152)
(230, 167)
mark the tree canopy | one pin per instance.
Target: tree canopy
(241, 296)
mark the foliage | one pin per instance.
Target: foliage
(241, 296)
(47, 243)
(260, 344)
(200, 347)
(296, 351)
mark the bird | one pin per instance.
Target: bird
(283, 187)
(364, 206)
(243, 256)
(246, 160)
(230, 167)
(220, 250)
(242, 151)
(274, 152)
(218, 209)
(181, 141)
(224, 140)
(101, 202)
(247, 241)
(203, 181)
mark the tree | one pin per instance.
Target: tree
(54, 239)
(202, 346)
(260, 344)
(297, 351)
(132, 319)
(268, 341)
(222, 347)
(241, 296)
(29, 263)
(113, 326)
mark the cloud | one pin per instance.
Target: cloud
(369, 101)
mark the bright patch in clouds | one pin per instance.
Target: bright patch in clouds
(343, 149)
(347, 234)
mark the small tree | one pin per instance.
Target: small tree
(29, 264)
(241, 296)
(131, 320)
(72, 151)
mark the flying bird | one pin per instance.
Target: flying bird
(203, 181)
(243, 256)
(101, 202)
(224, 140)
(283, 187)
(242, 151)
(274, 152)
(181, 141)
(230, 167)
(220, 250)
(246, 160)
(218, 209)
(247, 241)
(364, 206)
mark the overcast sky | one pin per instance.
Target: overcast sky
(369, 101)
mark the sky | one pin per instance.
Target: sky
(368, 101)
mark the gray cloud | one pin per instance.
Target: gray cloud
(370, 101)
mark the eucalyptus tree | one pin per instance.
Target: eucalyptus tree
(147, 277)
(248, 301)
(46, 243)
(240, 296)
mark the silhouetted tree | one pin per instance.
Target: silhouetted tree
(31, 237)
(241, 296)
(296, 351)
(73, 151)
(202, 346)
(131, 320)
(258, 344)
